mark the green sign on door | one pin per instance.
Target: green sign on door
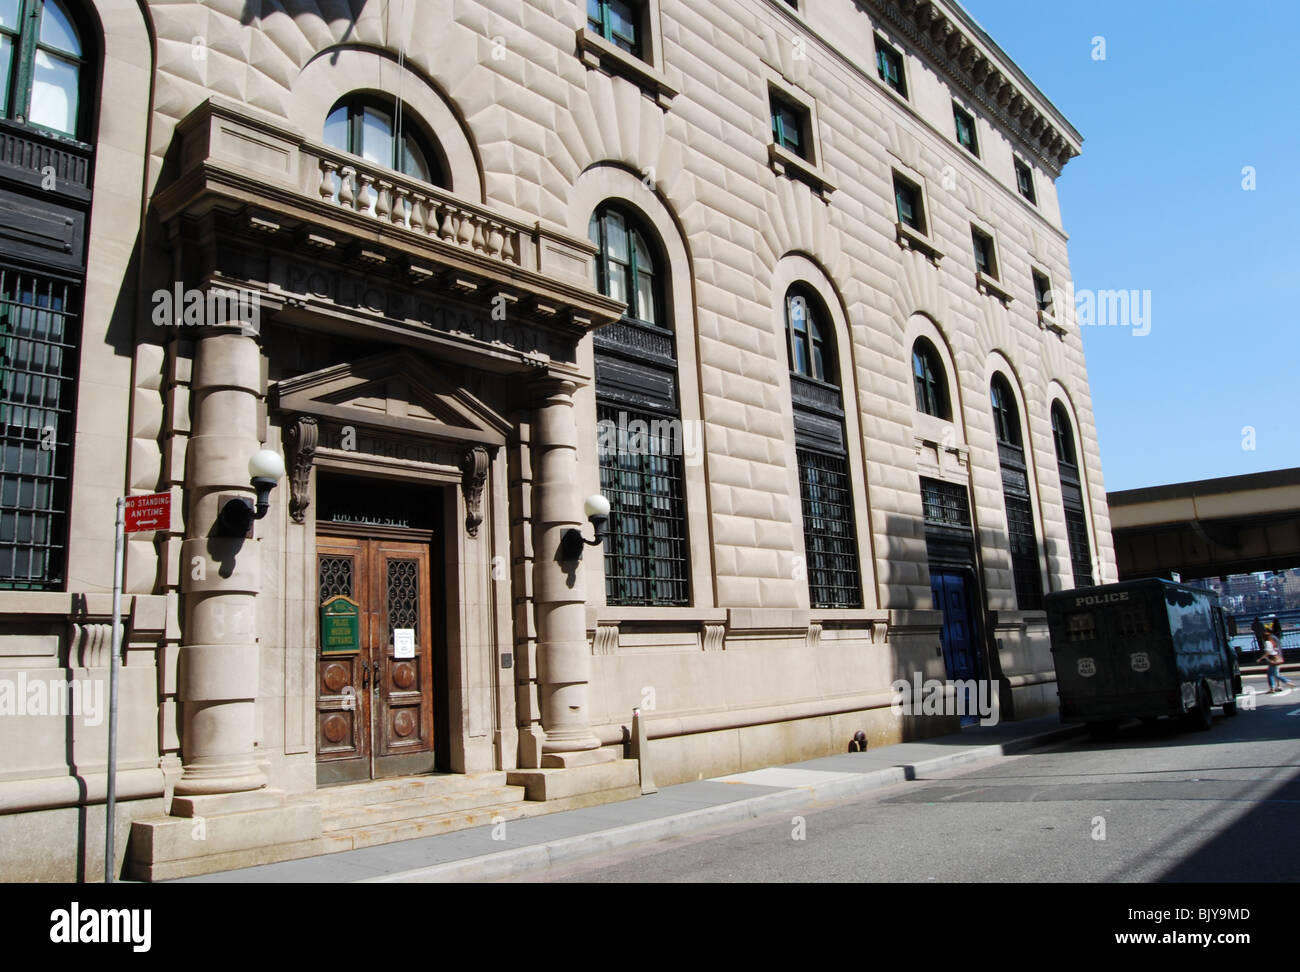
(340, 625)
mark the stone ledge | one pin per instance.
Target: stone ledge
(162, 847)
(554, 784)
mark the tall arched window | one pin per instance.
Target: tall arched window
(42, 65)
(380, 132)
(48, 67)
(1021, 536)
(929, 380)
(1006, 416)
(825, 488)
(640, 433)
(1076, 520)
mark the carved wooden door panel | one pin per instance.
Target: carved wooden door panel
(375, 705)
(402, 700)
(343, 678)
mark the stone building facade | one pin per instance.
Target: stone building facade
(775, 278)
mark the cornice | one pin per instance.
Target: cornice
(975, 65)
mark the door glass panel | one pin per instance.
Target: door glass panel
(403, 596)
(336, 577)
(9, 14)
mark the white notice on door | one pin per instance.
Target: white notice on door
(403, 642)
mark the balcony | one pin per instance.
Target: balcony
(299, 195)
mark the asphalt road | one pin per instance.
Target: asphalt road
(1154, 804)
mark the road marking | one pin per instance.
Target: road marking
(1294, 712)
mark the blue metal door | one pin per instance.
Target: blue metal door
(958, 635)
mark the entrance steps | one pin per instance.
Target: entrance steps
(367, 814)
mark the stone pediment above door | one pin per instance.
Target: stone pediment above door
(398, 398)
(396, 391)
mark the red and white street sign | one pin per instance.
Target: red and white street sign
(146, 513)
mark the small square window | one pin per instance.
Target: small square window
(1025, 181)
(985, 261)
(790, 126)
(1042, 292)
(907, 196)
(965, 130)
(618, 21)
(889, 65)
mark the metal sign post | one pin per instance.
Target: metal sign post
(110, 802)
(135, 514)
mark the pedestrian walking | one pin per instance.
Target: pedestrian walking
(1272, 657)
(1257, 629)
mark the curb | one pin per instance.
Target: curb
(535, 856)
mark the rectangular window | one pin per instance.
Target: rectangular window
(647, 559)
(829, 540)
(889, 65)
(618, 21)
(1024, 553)
(945, 504)
(38, 326)
(965, 130)
(907, 196)
(1076, 529)
(1025, 181)
(985, 259)
(1042, 292)
(789, 125)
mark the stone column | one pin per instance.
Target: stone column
(220, 577)
(559, 595)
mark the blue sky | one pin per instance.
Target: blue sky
(1188, 95)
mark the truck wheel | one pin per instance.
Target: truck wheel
(1105, 729)
(1201, 718)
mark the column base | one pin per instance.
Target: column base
(208, 781)
(573, 741)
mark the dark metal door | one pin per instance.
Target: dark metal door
(951, 593)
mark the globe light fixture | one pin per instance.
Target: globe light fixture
(265, 470)
(596, 509)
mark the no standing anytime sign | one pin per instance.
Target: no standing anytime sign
(149, 512)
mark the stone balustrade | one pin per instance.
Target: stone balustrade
(390, 198)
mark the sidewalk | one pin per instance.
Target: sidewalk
(534, 842)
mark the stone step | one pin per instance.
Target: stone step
(410, 829)
(405, 788)
(351, 817)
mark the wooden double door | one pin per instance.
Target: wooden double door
(374, 710)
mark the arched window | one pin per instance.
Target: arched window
(42, 64)
(1076, 520)
(376, 129)
(1062, 435)
(640, 434)
(929, 380)
(1006, 417)
(48, 68)
(1021, 535)
(625, 265)
(825, 488)
(806, 325)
